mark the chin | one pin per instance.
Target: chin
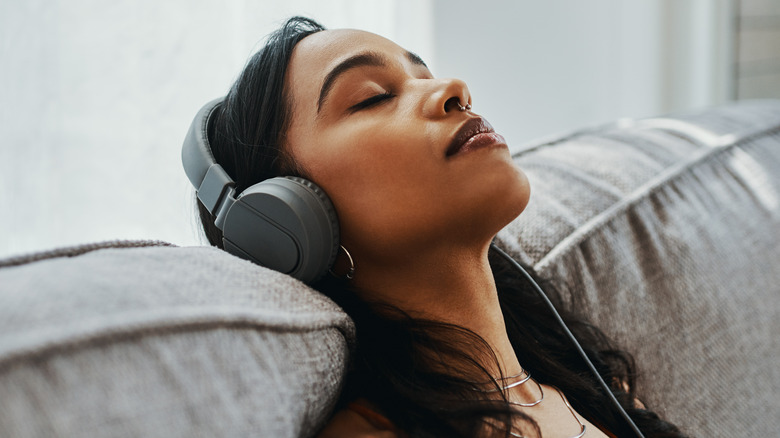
(515, 193)
(502, 195)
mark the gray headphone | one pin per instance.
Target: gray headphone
(286, 223)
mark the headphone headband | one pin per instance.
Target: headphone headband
(208, 177)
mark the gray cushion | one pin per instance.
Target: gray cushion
(165, 342)
(666, 233)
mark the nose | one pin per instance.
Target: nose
(446, 96)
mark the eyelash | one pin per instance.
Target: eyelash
(371, 101)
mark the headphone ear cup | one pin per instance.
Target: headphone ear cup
(287, 224)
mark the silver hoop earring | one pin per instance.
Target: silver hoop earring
(350, 271)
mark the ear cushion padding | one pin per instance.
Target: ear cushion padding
(286, 223)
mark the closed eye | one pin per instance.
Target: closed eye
(371, 101)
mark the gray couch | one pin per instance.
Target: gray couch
(664, 231)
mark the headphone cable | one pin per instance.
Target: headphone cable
(571, 337)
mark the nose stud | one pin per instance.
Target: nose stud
(463, 108)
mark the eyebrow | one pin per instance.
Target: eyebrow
(366, 59)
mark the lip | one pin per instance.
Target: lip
(476, 133)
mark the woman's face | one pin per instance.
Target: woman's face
(388, 143)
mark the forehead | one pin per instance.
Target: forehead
(315, 55)
(324, 46)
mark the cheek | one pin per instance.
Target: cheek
(382, 181)
(382, 192)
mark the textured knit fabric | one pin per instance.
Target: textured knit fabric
(165, 342)
(666, 234)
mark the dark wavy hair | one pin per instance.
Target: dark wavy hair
(418, 372)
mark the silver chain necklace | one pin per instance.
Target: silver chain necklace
(525, 376)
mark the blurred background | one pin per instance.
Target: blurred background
(96, 96)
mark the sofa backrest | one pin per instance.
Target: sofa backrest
(164, 342)
(665, 233)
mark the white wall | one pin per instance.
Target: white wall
(95, 96)
(536, 68)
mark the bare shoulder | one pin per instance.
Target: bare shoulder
(349, 424)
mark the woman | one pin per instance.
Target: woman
(448, 336)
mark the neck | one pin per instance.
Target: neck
(451, 285)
